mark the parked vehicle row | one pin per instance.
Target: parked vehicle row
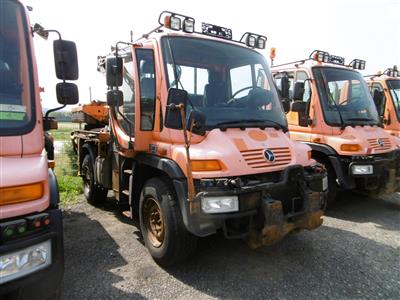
(331, 110)
(195, 138)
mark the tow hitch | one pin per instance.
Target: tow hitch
(277, 225)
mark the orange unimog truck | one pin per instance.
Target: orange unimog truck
(197, 142)
(385, 90)
(31, 231)
(333, 112)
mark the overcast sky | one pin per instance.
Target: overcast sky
(365, 29)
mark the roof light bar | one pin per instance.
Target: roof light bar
(176, 21)
(323, 56)
(254, 40)
(357, 64)
(392, 72)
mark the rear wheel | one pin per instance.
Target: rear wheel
(161, 224)
(94, 193)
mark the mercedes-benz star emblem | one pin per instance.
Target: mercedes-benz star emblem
(269, 155)
(381, 143)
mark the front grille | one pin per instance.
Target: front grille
(386, 145)
(255, 158)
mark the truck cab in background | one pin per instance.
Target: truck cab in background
(31, 234)
(385, 90)
(196, 142)
(333, 112)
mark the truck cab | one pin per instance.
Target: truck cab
(31, 235)
(197, 142)
(333, 112)
(385, 90)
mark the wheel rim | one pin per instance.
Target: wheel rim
(154, 222)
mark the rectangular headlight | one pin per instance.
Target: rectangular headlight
(362, 169)
(23, 262)
(220, 204)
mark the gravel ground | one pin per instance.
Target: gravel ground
(355, 254)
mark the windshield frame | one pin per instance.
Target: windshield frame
(389, 86)
(28, 126)
(165, 51)
(322, 96)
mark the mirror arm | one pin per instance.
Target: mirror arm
(191, 189)
(53, 110)
(55, 31)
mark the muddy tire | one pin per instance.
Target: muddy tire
(161, 224)
(94, 193)
(332, 185)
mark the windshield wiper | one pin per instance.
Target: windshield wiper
(363, 120)
(360, 119)
(246, 123)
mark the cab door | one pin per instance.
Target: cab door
(300, 117)
(380, 100)
(146, 81)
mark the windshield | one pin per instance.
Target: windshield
(344, 97)
(394, 88)
(15, 69)
(230, 84)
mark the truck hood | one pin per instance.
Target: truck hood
(242, 152)
(372, 139)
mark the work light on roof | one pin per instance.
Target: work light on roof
(392, 72)
(321, 56)
(254, 40)
(251, 41)
(176, 21)
(357, 64)
(188, 25)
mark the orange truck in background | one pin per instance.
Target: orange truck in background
(196, 141)
(385, 90)
(332, 111)
(31, 232)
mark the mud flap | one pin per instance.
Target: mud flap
(276, 225)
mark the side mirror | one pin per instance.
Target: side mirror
(66, 60)
(286, 105)
(67, 93)
(298, 92)
(198, 119)
(285, 86)
(114, 71)
(173, 117)
(299, 106)
(115, 98)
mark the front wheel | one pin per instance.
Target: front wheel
(94, 193)
(332, 185)
(161, 224)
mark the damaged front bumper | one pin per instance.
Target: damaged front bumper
(269, 205)
(384, 178)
